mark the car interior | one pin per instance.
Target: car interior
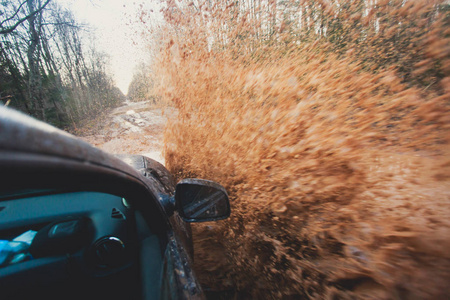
(78, 223)
(84, 244)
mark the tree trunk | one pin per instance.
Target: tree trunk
(34, 76)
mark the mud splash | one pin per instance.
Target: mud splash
(329, 126)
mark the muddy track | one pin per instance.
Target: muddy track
(132, 128)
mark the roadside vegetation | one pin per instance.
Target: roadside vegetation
(141, 85)
(47, 70)
(328, 123)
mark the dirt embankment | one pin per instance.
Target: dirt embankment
(132, 128)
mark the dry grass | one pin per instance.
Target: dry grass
(334, 148)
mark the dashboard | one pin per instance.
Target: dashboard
(70, 240)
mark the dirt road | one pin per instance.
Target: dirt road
(133, 128)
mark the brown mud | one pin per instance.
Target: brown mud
(328, 123)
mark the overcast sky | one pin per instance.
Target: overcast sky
(117, 32)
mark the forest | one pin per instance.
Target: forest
(47, 69)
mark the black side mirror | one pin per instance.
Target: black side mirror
(199, 200)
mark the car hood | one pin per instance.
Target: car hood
(21, 133)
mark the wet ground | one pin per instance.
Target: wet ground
(132, 128)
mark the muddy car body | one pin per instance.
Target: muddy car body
(103, 226)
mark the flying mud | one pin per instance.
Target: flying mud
(328, 123)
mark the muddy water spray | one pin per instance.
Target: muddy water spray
(328, 124)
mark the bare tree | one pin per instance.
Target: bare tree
(31, 14)
(44, 68)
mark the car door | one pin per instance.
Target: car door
(36, 157)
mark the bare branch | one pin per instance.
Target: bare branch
(14, 15)
(61, 24)
(20, 21)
